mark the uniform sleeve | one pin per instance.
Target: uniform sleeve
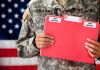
(25, 45)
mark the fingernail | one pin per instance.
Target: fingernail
(86, 43)
(51, 43)
(52, 37)
(88, 51)
(86, 47)
(88, 39)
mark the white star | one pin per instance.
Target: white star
(10, 20)
(9, 10)
(22, 0)
(16, 26)
(2, 5)
(22, 10)
(10, 31)
(15, 5)
(16, 15)
(3, 26)
(3, 15)
(9, 0)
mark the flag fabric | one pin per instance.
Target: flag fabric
(10, 24)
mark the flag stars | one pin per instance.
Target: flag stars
(22, 10)
(2, 5)
(22, 1)
(15, 5)
(3, 26)
(9, 10)
(16, 15)
(10, 17)
(10, 31)
(9, 0)
(3, 16)
(16, 26)
(10, 20)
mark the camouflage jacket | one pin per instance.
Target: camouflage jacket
(34, 23)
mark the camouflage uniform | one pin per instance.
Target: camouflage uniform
(34, 23)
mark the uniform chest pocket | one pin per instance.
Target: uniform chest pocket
(38, 16)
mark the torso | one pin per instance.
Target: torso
(87, 9)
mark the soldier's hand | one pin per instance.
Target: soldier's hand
(93, 48)
(44, 40)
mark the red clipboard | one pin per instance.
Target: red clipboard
(70, 34)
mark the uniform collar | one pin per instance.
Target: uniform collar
(57, 5)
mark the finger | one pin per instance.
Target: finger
(43, 46)
(93, 55)
(93, 41)
(92, 46)
(46, 36)
(44, 43)
(45, 40)
(92, 50)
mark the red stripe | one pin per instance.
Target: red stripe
(98, 67)
(8, 52)
(29, 67)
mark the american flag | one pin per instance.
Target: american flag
(10, 24)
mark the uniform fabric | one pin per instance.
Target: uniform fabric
(87, 9)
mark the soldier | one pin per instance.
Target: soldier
(32, 38)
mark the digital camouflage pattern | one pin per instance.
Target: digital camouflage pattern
(34, 23)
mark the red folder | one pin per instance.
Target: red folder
(70, 34)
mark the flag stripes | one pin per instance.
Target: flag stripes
(15, 61)
(27, 67)
(8, 53)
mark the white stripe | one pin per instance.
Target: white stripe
(6, 44)
(97, 61)
(18, 61)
